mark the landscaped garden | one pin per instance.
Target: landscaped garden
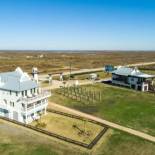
(75, 129)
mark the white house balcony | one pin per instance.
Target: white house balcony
(35, 98)
(34, 109)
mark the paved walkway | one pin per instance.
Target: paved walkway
(110, 124)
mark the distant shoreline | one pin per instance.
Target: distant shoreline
(75, 51)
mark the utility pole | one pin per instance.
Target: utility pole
(70, 65)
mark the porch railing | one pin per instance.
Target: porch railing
(32, 99)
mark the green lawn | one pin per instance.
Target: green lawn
(120, 143)
(120, 105)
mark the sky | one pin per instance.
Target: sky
(77, 24)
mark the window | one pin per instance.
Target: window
(3, 111)
(12, 104)
(25, 92)
(22, 93)
(5, 101)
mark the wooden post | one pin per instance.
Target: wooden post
(100, 96)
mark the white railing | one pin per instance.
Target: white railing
(32, 108)
(32, 99)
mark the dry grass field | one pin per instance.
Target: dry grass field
(119, 105)
(64, 126)
(60, 61)
(16, 140)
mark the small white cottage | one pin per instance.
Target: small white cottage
(21, 98)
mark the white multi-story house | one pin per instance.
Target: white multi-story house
(133, 78)
(21, 98)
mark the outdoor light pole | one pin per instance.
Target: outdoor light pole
(70, 70)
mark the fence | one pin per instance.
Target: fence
(81, 94)
(88, 146)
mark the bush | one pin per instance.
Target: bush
(41, 125)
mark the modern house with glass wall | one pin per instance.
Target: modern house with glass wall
(21, 98)
(132, 78)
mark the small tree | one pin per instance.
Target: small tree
(40, 124)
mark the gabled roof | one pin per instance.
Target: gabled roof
(16, 81)
(126, 71)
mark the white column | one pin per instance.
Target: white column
(45, 111)
(142, 86)
(45, 106)
(26, 114)
(34, 110)
(9, 114)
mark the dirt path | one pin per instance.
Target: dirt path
(57, 84)
(44, 77)
(142, 64)
(110, 124)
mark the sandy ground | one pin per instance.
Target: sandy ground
(57, 84)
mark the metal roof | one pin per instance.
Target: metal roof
(126, 71)
(16, 81)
